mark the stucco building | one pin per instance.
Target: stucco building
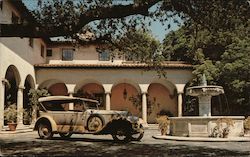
(63, 69)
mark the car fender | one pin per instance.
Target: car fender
(142, 122)
(46, 118)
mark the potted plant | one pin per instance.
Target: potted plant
(164, 124)
(247, 126)
(10, 115)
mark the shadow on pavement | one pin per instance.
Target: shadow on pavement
(104, 147)
(81, 139)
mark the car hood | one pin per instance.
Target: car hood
(110, 112)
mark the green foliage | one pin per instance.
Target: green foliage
(164, 124)
(247, 123)
(111, 18)
(210, 70)
(235, 74)
(10, 113)
(35, 94)
(139, 46)
(223, 56)
(222, 128)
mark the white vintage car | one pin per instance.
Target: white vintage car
(55, 117)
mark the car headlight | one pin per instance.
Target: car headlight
(133, 119)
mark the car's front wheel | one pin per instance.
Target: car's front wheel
(66, 135)
(45, 131)
(121, 135)
(138, 136)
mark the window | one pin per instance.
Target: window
(31, 42)
(14, 18)
(42, 50)
(104, 56)
(67, 54)
(49, 53)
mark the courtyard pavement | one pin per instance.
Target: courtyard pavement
(28, 144)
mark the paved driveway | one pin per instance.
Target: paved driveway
(90, 145)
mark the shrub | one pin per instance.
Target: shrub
(247, 123)
(221, 130)
(164, 124)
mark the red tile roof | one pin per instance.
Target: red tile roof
(126, 65)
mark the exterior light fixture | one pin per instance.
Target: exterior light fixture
(125, 93)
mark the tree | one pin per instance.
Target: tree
(138, 46)
(235, 75)
(68, 17)
(222, 56)
(147, 48)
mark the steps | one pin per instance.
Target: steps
(21, 129)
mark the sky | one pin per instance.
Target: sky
(157, 29)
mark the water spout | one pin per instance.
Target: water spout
(203, 80)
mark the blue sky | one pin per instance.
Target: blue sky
(157, 29)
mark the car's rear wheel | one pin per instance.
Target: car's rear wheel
(138, 136)
(121, 135)
(66, 135)
(45, 131)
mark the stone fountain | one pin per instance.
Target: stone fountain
(205, 93)
(205, 124)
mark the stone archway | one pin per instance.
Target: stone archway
(124, 96)
(58, 89)
(55, 87)
(12, 82)
(28, 84)
(161, 99)
(92, 91)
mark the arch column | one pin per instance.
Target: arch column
(107, 95)
(2, 91)
(107, 89)
(144, 107)
(20, 106)
(180, 89)
(144, 89)
(71, 88)
(71, 105)
(180, 104)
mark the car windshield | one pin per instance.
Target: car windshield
(62, 105)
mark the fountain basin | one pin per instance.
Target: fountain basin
(205, 90)
(204, 126)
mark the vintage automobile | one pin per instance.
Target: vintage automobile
(85, 118)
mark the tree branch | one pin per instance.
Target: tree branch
(115, 11)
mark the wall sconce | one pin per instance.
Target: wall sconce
(125, 93)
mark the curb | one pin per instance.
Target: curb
(16, 132)
(202, 139)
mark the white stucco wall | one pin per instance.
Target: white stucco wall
(113, 76)
(110, 77)
(6, 12)
(21, 45)
(9, 57)
(21, 48)
(82, 55)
